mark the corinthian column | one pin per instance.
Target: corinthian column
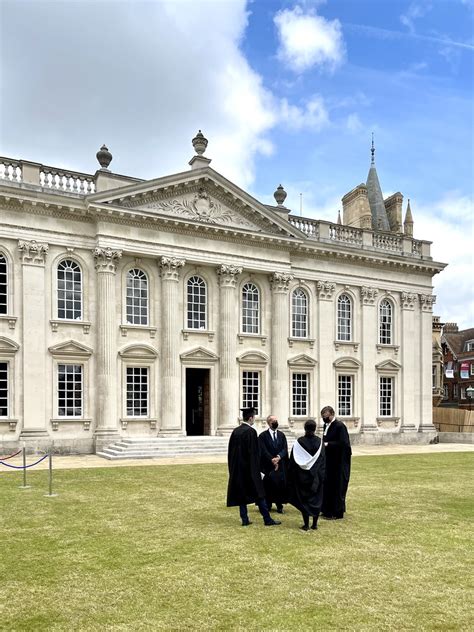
(106, 365)
(229, 371)
(171, 414)
(279, 367)
(33, 256)
(369, 333)
(426, 362)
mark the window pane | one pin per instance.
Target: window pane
(299, 383)
(3, 389)
(70, 390)
(386, 396)
(385, 316)
(137, 380)
(69, 290)
(136, 308)
(344, 318)
(344, 395)
(196, 304)
(3, 285)
(251, 390)
(250, 309)
(299, 314)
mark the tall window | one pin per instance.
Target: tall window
(70, 390)
(385, 331)
(344, 318)
(137, 297)
(344, 395)
(251, 390)
(299, 314)
(69, 290)
(137, 391)
(299, 383)
(386, 396)
(250, 309)
(196, 303)
(3, 389)
(3, 285)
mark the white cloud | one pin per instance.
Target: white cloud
(308, 40)
(353, 123)
(313, 115)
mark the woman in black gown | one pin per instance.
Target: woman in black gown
(306, 475)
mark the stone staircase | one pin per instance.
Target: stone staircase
(155, 448)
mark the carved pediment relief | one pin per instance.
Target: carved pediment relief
(70, 348)
(388, 365)
(199, 353)
(347, 363)
(302, 360)
(7, 346)
(138, 352)
(253, 357)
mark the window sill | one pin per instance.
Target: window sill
(10, 319)
(57, 421)
(124, 421)
(394, 348)
(86, 325)
(200, 332)
(242, 337)
(388, 422)
(10, 421)
(346, 343)
(124, 329)
(293, 339)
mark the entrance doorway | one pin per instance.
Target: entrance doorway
(198, 418)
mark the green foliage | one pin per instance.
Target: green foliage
(154, 547)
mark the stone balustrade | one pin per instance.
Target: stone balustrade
(25, 172)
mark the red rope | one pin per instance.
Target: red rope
(5, 458)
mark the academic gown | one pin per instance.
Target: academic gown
(338, 469)
(275, 481)
(306, 486)
(243, 458)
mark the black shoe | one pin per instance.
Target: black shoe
(280, 510)
(245, 523)
(272, 522)
(314, 527)
(304, 527)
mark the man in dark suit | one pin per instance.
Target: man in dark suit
(274, 463)
(338, 465)
(245, 482)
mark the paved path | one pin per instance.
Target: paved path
(91, 460)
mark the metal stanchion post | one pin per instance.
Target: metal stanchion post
(24, 486)
(50, 474)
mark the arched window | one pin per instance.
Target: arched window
(197, 303)
(137, 297)
(69, 290)
(299, 314)
(3, 285)
(250, 309)
(386, 322)
(344, 318)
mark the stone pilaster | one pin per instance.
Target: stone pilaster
(369, 339)
(33, 257)
(171, 414)
(107, 419)
(326, 336)
(279, 367)
(410, 386)
(229, 370)
(426, 359)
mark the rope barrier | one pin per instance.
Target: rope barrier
(5, 458)
(21, 467)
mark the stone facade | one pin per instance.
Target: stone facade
(161, 307)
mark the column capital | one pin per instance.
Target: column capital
(280, 282)
(408, 300)
(33, 252)
(106, 259)
(325, 290)
(427, 301)
(170, 268)
(228, 275)
(368, 295)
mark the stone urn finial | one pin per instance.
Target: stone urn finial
(200, 143)
(280, 195)
(104, 157)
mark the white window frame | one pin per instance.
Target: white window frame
(61, 293)
(386, 337)
(295, 395)
(8, 382)
(192, 307)
(137, 368)
(391, 413)
(350, 379)
(302, 311)
(145, 356)
(4, 302)
(256, 320)
(344, 322)
(470, 345)
(247, 402)
(133, 301)
(67, 363)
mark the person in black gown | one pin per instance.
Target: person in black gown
(273, 463)
(338, 465)
(245, 482)
(306, 475)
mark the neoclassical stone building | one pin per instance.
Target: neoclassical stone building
(161, 307)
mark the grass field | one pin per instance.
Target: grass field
(150, 548)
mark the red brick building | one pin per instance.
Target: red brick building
(458, 360)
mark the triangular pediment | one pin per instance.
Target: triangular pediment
(7, 346)
(388, 365)
(138, 352)
(302, 360)
(70, 348)
(201, 197)
(347, 363)
(199, 353)
(253, 357)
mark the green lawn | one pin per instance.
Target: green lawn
(148, 548)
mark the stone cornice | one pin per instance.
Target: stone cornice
(32, 252)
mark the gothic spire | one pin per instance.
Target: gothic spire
(374, 192)
(408, 223)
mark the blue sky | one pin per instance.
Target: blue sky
(285, 92)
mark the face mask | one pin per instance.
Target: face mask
(274, 425)
(326, 420)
